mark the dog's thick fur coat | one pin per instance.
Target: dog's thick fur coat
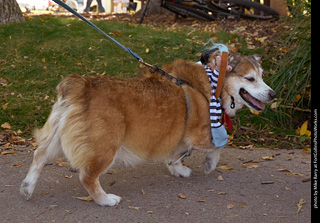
(98, 120)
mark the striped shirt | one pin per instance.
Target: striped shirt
(215, 104)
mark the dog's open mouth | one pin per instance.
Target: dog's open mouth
(252, 101)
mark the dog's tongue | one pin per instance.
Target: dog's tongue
(256, 102)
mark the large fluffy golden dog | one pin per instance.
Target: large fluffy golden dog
(97, 121)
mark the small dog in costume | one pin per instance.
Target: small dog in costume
(211, 60)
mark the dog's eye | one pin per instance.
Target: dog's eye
(251, 79)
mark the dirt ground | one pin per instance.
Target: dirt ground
(257, 185)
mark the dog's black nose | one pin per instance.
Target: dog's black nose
(272, 94)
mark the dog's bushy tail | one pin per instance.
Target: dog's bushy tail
(73, 87)
(70, 91)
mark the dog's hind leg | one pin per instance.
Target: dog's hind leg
(41, 157)
(211, 160)
(49, 148)
(89, 176)
(29, 183)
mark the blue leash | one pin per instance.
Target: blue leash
(64, 5)
(154, 68)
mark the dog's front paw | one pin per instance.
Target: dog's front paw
(211, 161)
(209, 165)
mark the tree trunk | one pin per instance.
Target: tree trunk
(10, 12)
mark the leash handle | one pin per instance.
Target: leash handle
(223, 69)
(64, 5)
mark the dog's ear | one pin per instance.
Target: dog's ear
(234, 59)
(258, 57)
(205, 57)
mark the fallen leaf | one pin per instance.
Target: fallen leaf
(117, 33)
(84, 198)
(3, 82)
(69, 177)
(267, 182)
(6, 145)
(303, 129)
(229, 206)
(301, 202)
(246, 147)
(43, 60)
(281, 216)
(284, 170)
(277, 27)
(147, 50)
(16, 165)
(306, 179)
(7, 153)
(5, 106)
(142, 192)
(225, 168)
(297, 174)
(6, 125)
(135, 208)
(252, 161)
(60, 163)
(308, 133)
(275, 104)
(254, 112)
(150, 212)
(298, 97)
(262, 39)
(250, 166)
(220, 178)
(267, 157)
(111, 182)
(182, 196)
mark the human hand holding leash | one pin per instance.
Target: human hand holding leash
(218, 63)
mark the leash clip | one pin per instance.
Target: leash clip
(183, 155)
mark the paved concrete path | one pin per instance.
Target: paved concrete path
(258, 185)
